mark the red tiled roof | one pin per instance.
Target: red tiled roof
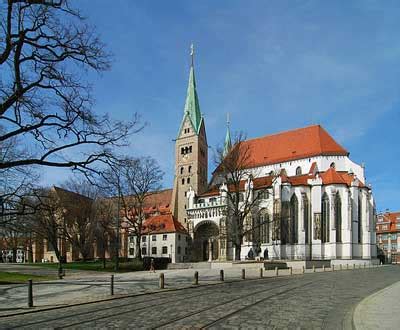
(332, 177)
(164, 223)
(157, 202)
(295, 144)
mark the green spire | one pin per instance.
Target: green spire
(192, 106)
(227, 143)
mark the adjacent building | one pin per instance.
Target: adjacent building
(388, 235)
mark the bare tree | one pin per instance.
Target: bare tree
(45, 100)
(134, 181)
(235, 170)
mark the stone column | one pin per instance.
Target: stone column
(209, 250)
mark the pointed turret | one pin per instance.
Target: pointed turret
(192, 105)
(228, 142)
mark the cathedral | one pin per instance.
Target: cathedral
(313, 202)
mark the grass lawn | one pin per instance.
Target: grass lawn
(126, 266)
(12, 278)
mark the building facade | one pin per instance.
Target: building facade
(388, 236)
(315, 203)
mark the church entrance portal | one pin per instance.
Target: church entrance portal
(205, 243)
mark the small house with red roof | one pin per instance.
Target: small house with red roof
(388, 235)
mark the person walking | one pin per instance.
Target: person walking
(152, 269)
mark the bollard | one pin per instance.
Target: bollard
(313, 268)
(196, 278)
(221, 275)
(354, 266)
(323, 268)
(333, 268)
(365, 265)
(112, 285)
(303, 270)
(30, 294)
(291, 270)
(276, 271)
(261, 273)
(347, 266)
(340, 267)
(243, 274)
(162, 280)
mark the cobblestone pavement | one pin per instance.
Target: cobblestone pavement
(313, 300)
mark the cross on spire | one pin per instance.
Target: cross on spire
(192, 53)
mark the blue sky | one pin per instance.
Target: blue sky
(273, 65)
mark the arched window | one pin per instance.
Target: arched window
(188, 180)
(190, 169)
(294, 220)
(182, 151)
(359, 218)
(325, 218)
(190, 149)
(338, 217)
(298, 170)
(181, 170)
(263, 220)
(306, 218)
(183, 181)
(271, 173)
(186, 150)
(333, 165)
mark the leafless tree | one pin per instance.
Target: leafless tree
(47, 50)
(235, 169)
(134, 181)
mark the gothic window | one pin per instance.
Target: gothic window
(276, 221)
(182, 151)
(294, 219)
(183, 181)
(338, 217)
(306, 218)
(188, 180)
(186, 150)
(190, 169)
(190, 149)
(359, 220)
(264, 226)
(298, 170)
(333, 165)
(325, 218)
(181, 170)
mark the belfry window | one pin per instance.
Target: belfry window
(190, 169)
(181, 170)
(183, 181)
(190, 149)
(182, 151)
(188, 180)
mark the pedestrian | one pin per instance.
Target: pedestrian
(152, 269)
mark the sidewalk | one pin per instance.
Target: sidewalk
(380, 310)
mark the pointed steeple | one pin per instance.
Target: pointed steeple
(228, 142)
(192, 105)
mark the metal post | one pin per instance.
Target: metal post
(243, 274)
(162, 281)
(112, 285)
(30, 294)
(261, 273)
(221, 275)
(276, 271)
(196, 278)
(291, 270)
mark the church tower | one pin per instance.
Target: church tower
(191, 152)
